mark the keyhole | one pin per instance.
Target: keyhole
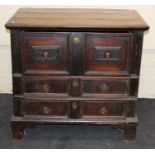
(74, 105)
(46, 88)
(45, 55)
(46, 110)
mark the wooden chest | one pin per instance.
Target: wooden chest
(75, 66)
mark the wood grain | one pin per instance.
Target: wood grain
(76, 18)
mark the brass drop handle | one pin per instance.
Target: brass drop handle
(74, 105)
(104, 87)
(76, 39)
(103, 111)
(46, 110)
(46, 88)
(45, 55)
(107, 55)
(75, 83)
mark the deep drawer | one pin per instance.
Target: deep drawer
(54, 108)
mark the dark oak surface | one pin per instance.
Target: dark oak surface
(76, 18)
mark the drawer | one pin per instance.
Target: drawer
(108, 53)
(86, 86)
(45, 52)
(53, 86)
(54, 108)
(112, 87)
(103, 108)
(99, 87)
(74, 109)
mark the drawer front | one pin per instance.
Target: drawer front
(74, 109)
(103, 108)
(108, 53)
(100, 87)
(56, 86)
(45, 108)
(45, 52)
(65, 86)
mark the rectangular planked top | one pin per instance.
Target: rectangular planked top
(77, 18)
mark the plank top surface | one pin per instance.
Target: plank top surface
(76, 18)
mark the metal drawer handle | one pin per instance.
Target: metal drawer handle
(46, 110)
(46, 88)
(104, 87)
(107, 55)
(45, 54)
(103, 111)
(74, 105)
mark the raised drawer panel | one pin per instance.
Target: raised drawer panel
(108, 53)
(51, 85)
(100, 108)
(45, 52)
(99, 87)
(45, 108)
(105, 86)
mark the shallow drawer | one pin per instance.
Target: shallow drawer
(56, 86)
(54, 108)
(103, 108)
(108, 53)
(99, 87)
(45, 52)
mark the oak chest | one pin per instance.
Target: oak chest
(75, 66)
